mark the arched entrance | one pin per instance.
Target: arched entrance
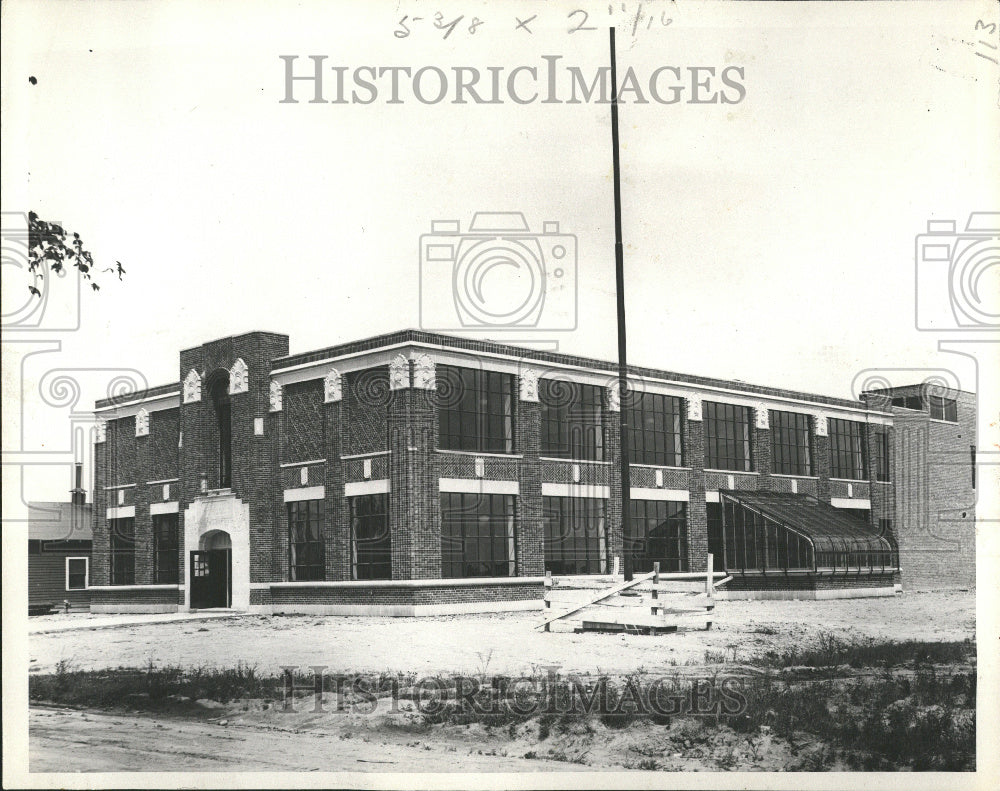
(212, 571)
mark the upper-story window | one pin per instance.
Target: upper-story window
(883, 468)
(572, 420)
(654, 430)
(847, 450)
(790, 446)
(727, 436)
(475, 410)
(943, 408)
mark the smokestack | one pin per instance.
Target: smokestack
(78, 495)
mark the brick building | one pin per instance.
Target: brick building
(417, 473)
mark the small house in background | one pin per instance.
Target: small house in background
(59, 541)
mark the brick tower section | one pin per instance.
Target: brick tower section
(694, 457)
(530, 548)
(254, 455)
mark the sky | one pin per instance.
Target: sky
(769, 240)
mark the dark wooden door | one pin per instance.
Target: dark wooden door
(210, 573)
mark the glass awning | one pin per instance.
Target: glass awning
(775, 531)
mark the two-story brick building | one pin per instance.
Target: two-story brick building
(421, 473)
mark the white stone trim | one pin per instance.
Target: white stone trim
(424, 372)
(399, 372)
(763, 419)
(513, 456)
(142, 422)
(575, 490)
(128, 408)
(528, 385)
(192, 387)
(121, 512)
(712, 497)
(693, 409)
(333, 387)
(157, 587)
(163, 508)
(275, 396)
(165, 480)
(851, 502)
(304, 493)
(822, 428)
(366, 455)
(360, 488)
(447, 582)
(614, 397)
(288, 464)
(478, 486)
(506, 363)
(239, 377)
(672, 495)
(102, 432)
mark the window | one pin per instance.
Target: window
(909, 402)
(654, 430)
(575, 535)
(716, 545)
(790, 452)
(882, 462)
(847, 450)
(371, 547)
(305, 540)
(755, 542)
(943, 409)
(122, 551)
(658, 533)
(572, 420)
(475, 410)
(477, 535)
(727, 437)
(76, 574)
(166, 549)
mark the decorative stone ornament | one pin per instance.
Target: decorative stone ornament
(333, 387)
(424, 377)
(142, 423)
(399, 373)
(529, 385)
(614, 397)
(239, 376)
(480, 468)
(763, 418)
(275, 396)
(694, 409)
(192, 387)
(102, 431)
(821, 427)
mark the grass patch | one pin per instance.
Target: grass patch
(830, 651)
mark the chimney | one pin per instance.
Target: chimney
(78, 495)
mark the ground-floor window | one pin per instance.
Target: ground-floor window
(122, 551)
(305, 541)
(477, 535)
(575, 535)
(165, 549)
(76, 574)
(716, 545)
(371, 546)
(659, 534)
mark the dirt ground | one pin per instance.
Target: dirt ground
(505, 643)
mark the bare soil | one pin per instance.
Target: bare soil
(505, 643)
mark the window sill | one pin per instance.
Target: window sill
(851, 480)
(572, 461)
(490, 454)
(732, 472)
(658, 467)
(798, 477)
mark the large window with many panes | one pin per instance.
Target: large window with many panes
(790, 446)
(847, 449)
(477, 535)
(575, 535)
(122, 551)
(658, 531)
(654, 429)
(166, 549)
(727, 436)
(572, 420)
(475, 409)
(371, 546)
(306, 561)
